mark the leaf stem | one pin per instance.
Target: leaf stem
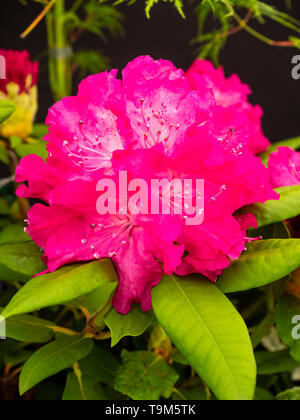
(261, 37)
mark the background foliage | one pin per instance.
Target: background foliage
(202, 341)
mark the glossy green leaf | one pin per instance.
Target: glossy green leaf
(53, 358)
(63, 285)
(263, 263)
(23, 258)
(84, 388)
(29, 329)
(274, 211)
(269, 363)
(101, 365)
(287, 308)
(7, 108)
(207, 329)
(145, 376)
(133, 324)
(289, 395)
(97, 299)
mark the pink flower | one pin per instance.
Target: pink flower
(234, 111)
(284, 166)
(20, 87)
(155, 124)
(19, 70)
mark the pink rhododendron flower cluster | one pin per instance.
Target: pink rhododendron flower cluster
(155, 123)
(19, 70)
(284, 165)
(232, 108)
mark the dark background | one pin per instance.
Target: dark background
(266, 69)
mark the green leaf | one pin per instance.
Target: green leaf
(38, 148)
(274, 211)
(145, 376)
(63, 285)
(263, 263)
(269, 363)
(133, 324)
(13, 234)
(23, 258)
(53, 358)
(97, 299)
(293, 143)
(100, 365)
(207, 329)
(177, 3)
(7, 108)
(90, 62)
(289, 395)
(82, 389)
(29, 329)
(287, 308)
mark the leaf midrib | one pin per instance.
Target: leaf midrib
(61, 349)
(207, 329)
(42, 283)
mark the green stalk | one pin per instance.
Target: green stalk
(59, 61)
(51, 42)
(62, 61)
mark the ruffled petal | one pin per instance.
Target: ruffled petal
(138, 273)
(284, 167)
(41, 178)
(82, 135)
(231, 95)
(160, 105)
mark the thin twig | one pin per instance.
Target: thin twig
(261, 37)
(238, 28)
(38, 19)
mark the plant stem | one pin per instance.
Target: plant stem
(261, 37)
(63, 73)
(51, 41)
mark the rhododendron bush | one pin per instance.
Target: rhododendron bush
(149, 239)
